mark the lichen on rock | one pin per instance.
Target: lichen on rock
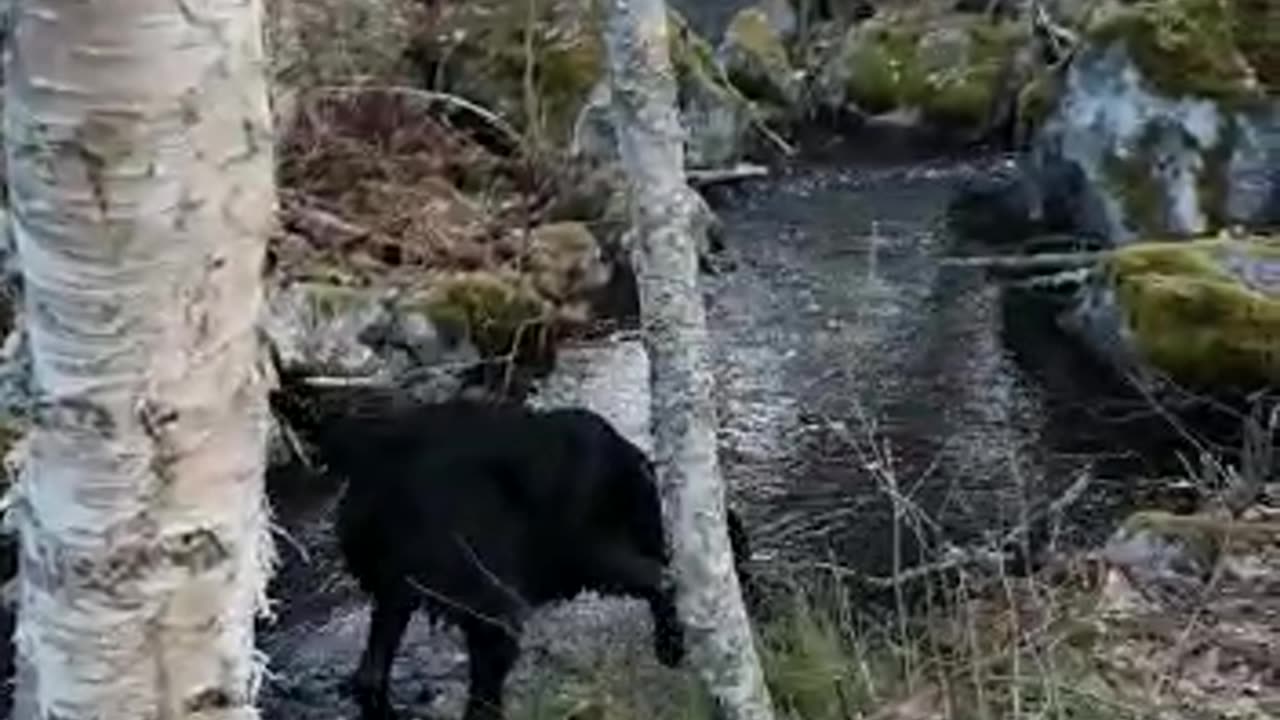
(1169, 113)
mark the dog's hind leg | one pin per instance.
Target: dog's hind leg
(387, 623)
(491, 653)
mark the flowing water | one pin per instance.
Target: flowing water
(852, 367)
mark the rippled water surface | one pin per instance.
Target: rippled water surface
(853, 366)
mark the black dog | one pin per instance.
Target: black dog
(481, 513)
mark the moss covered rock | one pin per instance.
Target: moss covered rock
(1167, 121)
(954, 70)
(544, 70)
(1216, 49)
(755, 59)
(497, 312)
(1204, 313)
(715, 115)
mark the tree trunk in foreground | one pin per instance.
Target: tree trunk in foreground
(141, 182)
(651, 145)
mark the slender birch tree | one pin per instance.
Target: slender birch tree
(651, 145)
(140, 170)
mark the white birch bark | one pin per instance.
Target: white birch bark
(650, 143)
(139, 151)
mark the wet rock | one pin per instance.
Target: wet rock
(715, 118)
(1204, 313)
(755, 59)
(343, 331)
(997, 209)
(1165, 117)
(1165, 561)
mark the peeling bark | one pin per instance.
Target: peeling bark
(664, 213)
(139, 149)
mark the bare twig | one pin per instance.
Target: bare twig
(431, 97)
(1039, 262)
(712, 176)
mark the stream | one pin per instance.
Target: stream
(855, 368)
(852, 368)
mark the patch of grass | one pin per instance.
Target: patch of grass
(1013, 654)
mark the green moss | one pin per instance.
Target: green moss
(1185, 47)
(1131, 180)
(1257, 33)
(694, 59)
(495, 313)
(962, 99)
(758, 64)
(1195, 320)
(966, 97)
(882, 68)
(1037, 99)
(887, 68)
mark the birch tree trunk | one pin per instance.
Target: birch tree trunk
(651, 143)
(140, 179)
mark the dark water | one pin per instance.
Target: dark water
(853, 367)
(710, 17)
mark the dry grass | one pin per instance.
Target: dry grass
(1074, 640)
(390, 178)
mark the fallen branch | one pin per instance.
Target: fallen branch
(431, 97)
(1061, 40)
(785, 147)
(317, 223)
(1039, 262)
(714, 176)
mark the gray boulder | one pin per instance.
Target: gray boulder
(1142, 141)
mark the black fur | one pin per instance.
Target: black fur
(481, 513)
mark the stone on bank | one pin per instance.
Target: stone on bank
(1205, 313)
(1167, 122)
